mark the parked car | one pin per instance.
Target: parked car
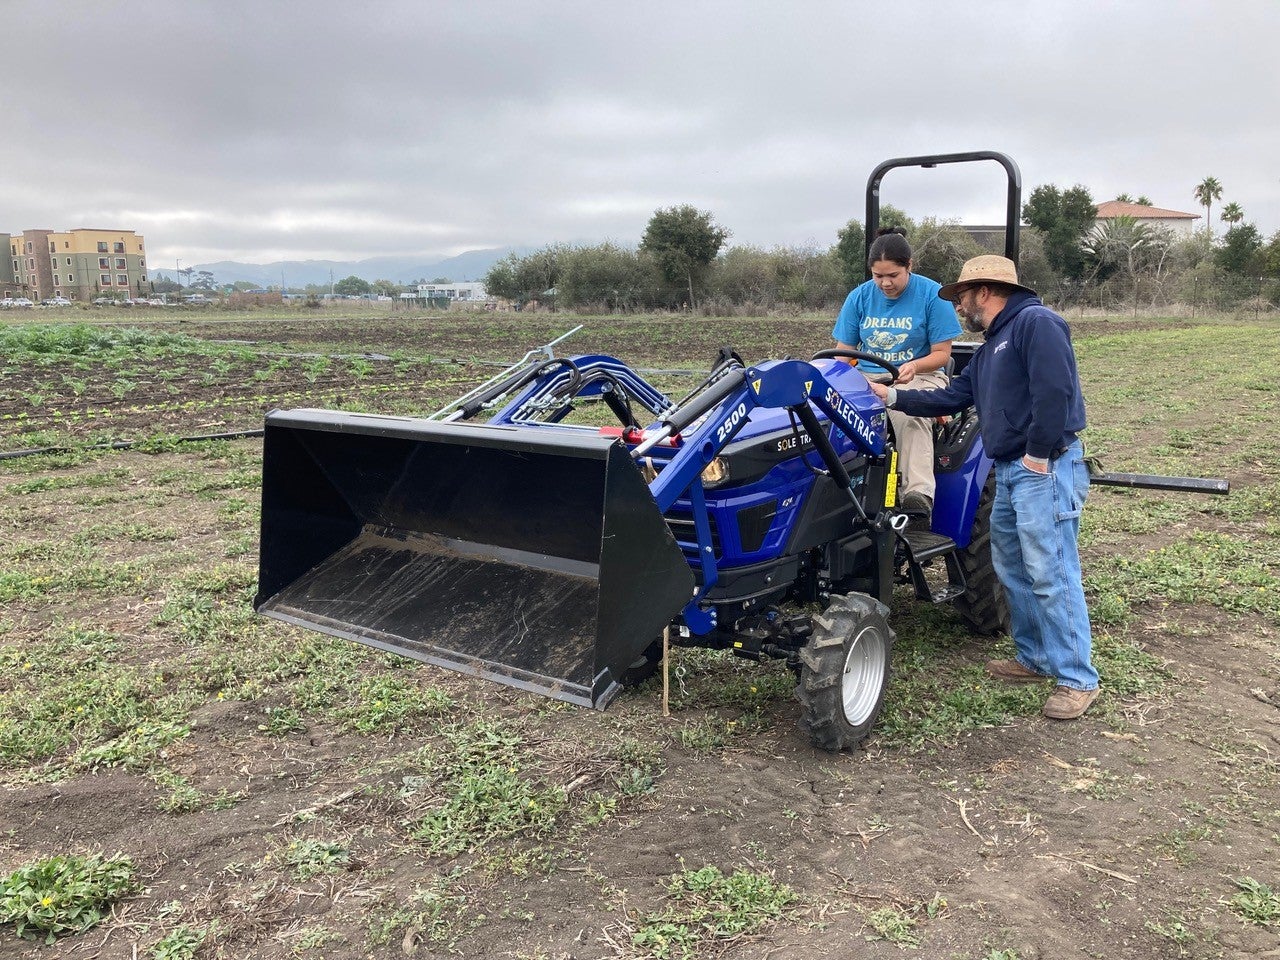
(55, 302)
(197, 298)
(105, 301)
(22, 302)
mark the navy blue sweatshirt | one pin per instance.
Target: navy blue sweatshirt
(1023, 381)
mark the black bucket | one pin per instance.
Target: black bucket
(532, 556)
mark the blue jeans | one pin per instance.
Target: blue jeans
(1035, 524)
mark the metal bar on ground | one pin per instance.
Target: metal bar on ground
(1146, 481)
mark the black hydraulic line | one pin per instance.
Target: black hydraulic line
(617, 400)
(708, 400)
(517, 380)
(127, 444)
(822, 443)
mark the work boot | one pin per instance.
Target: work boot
(1011, 671)
(1067, 704)
(919, 511)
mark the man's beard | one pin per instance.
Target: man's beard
(972, 323)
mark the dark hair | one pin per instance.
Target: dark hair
(890, 244)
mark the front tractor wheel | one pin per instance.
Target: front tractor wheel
(844, 669)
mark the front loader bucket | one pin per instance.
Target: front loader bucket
(532, 556)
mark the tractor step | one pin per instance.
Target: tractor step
(922, 546)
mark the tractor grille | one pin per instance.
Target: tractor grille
(686, 534)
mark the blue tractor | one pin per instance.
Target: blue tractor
(756, 514)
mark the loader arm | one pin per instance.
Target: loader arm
(715, 417)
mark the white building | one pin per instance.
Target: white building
(470, 292)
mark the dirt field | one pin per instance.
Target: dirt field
(282, 794)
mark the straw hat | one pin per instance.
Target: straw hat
(988, 268)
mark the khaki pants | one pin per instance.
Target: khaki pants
(915, 440)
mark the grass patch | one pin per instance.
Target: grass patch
(477, 793)
(67, 697)
(432, 914)
(708, 910)
(385, 704)
(1230, 573)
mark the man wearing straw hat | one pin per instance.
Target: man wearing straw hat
(1024, 384)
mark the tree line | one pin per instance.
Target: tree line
(683, 261)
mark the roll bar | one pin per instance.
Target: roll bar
(1013, 207)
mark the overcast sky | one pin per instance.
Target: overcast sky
(265, 130)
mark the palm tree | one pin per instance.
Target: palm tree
(1232, 213)
(1144, 200)
(1207, 192)
(1124, 198)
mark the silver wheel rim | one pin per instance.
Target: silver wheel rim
(863, 675)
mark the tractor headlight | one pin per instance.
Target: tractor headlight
(715, 472)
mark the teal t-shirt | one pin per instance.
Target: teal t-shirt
(897, 330)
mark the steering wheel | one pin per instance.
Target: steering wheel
(859, 355)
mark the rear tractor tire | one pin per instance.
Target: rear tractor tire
(844, 669)
(983, 606)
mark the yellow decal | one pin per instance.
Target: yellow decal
(737, 644)
(808, 387)
(755, 385)
(891, 481)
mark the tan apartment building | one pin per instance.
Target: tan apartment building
(78, 264)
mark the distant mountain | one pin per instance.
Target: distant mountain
(472, 265)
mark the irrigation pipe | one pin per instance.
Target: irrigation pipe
(127, 444)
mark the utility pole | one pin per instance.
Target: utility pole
(331, 283)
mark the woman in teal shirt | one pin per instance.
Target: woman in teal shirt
(899, 316)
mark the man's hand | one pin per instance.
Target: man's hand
(1035, 466)
(879, 389)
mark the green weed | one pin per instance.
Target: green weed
(132, 749)
(181, 943)
(895, 925)
(114, 715)
(64, 894)
(706, 907)
(312, 938)
(281, 721)
(1230, 573)
(432, 913)
(640, 766)
(1255, 903)
(1173, 928)
(707, 735)
(308, 858)
(182, 796)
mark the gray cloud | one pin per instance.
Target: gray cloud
(330, 130)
